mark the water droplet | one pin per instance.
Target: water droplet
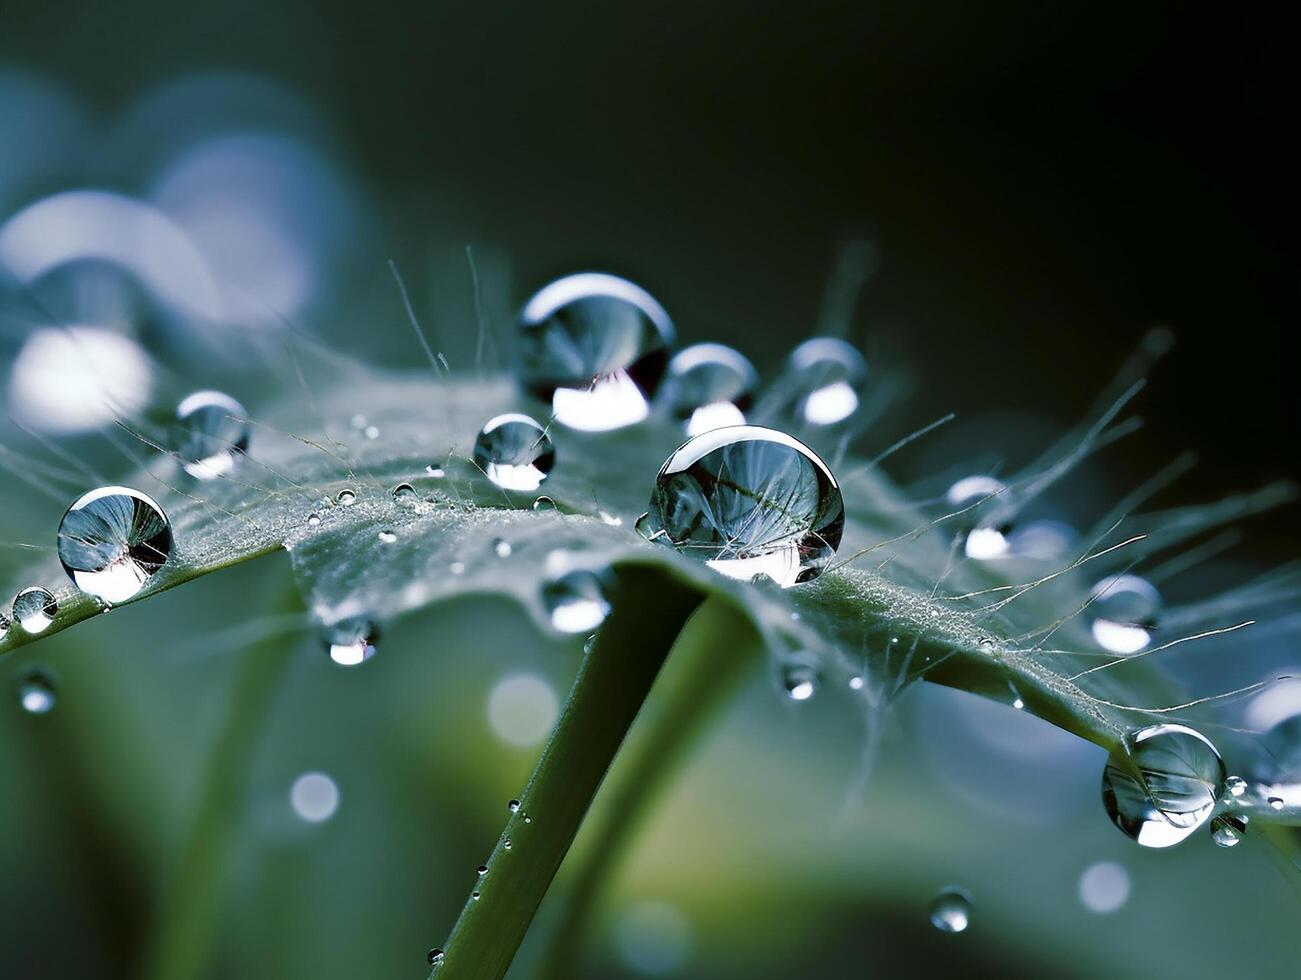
(36, 692)
(35, 609)
(595, 347)
(506, 843)
(544, 503)
(501, 548)
(405, 495)
(1276, 802)
(213, 434)
(984, 524)
(435, 957)
(482, 870)
(1104, 887)
(112, 541)
(457, 568)
(951, 910)
(346, 497)
(437, 472)
(313, 520)
(513, 806)
(748, 501)
(1228, 830)
(800, 682)
(528, 819)
(709, 386)
(1018, 704)
(1235, 786)
(575, 598)
(515, 452)
(372, 432)
(314, 797)
(387, 537)
(1124, 610)
(351, 641)
(827, 376)
(856, 682)
(1162, 784)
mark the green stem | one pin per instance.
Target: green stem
(708, 659)
(649, 611)
(192, 901)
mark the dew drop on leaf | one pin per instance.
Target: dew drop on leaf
(709, 386)
(387, 537)
(594, 347)
(35, 609)
(351, 641)
(1227, 830)
(515, 452)
(1124, 611)
(405, 495)
(575, 598)
(982, 521)
(112, 541)
(482, 870)
(513, 806)
(951, 910)
(435, 957)
(800, 682)
(313, 520)
(501, 548)
(1235, 786)
(36, 692)
(1276, 802)
(437, 472)
(1161, 784)
(372, 432)
(346, 497)
(1279, 765)
(749, 501)
(827, 376)
(212, 434)
(506, 844)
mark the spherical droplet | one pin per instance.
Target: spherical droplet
(748, 501)
(1227, 830)
(405, 495)
(313, 520)
(827, 376)
(351, 641)
(575, 598)
(435, 957)
(213, 433)
(387, 537)
(314, 797)
(1104, 887)
(372, 432)
(36, 692)
(1124, 611)
(982, 517)
(513, 806)
(346, 497)
(800, 682)
(112, 541)
(1275, 802)
(437, 472)
(709, 386)
(506, 844)
(501, 548)
(1235, 786)
(951, 910)
(515, 452)
(482, 870)
(35, 609)
(1162, 784)
(595, 347)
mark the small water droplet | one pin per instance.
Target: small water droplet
(856, 682)
(474, 896)
(1276, 802)
(595, 347)
(213, 434)
(346, 497)
(1124, 610)
(544, 503)
(827, 377)
(372, 432)
(405, 495)
(513, 806)
(314, 797)
(528, 819)
(800, 682)
(1228, 830)
(35, 609)
(748, 501)
(482, 870)
(709, 386)
(36, 692)
(1018, 704)
(575, 598)
(351, 641)
(387, 537)
(437, 472)
(313, 520)
(984, 524)
(951, 910)
(501, 548)
(1235, 786)
(515, 452)
(457, 568)
(506, 843)
(435, 957)
(112, 541)
(1162, 784)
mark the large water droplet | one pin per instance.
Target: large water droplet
(1227, 830)
(351, 641)
(1124, 610)
(35, 609)
(36, 692)
(515, 452)
(112, 541)
(575, 598)
(213, 434)
(1162, 784)
(314, 797)
(595, 347)
(749, 501)
(951, 910)
(983, 526)
(709, 386)
(828, 376)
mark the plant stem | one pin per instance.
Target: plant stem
(649, 611)
(708, 659)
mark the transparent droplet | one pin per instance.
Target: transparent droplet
(501, 548)
(1278, 767)
(314, 797)
(1043, 540)
(35, 609)
(951, 910)
(1124, 611)
(351, 641)
(800, 682)
(595, 348)
(857, 682)
(1104, 887)
(372, 432)
(709, 386)
(1162, 784)
(1227, 830)
(313, 520)
(827, 376)
(405, 494)
(982, 517)
(544, 503)
(387, 537)
(112, 541)
(474, 896)
(1275, 802)
(213, 434)
(437, 472)
(575, 598)
(482, 870)
(36, 692)
(506, 843)
(515, 452)
(346, 497)
(748, 501)
(1235, 786)
(435, 957)
(513, 806)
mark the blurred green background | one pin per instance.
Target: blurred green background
(1038, 184)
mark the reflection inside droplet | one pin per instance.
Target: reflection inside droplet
(351, 641)
(1124, 610)
(515, 452)
(36, 692)
(213, 434)
(34, 609)
(1161, 784)
(112, 541)
(951, 910)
